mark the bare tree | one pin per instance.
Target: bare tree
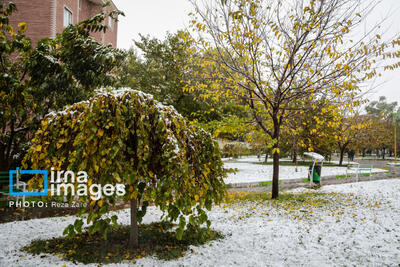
(276, 54)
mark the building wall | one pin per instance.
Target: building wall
(37, 17)
(87, 10)
(110, 37)
(71, 5)
(47, 18)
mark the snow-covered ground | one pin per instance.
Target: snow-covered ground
(255, 159)
(345, 161)
(249, 171)
(358, 228)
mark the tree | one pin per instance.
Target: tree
(382, 135)
(381, 113)
(127, 137)
(164, 71)
(382, 108)
(37, 80)
(346, 131)
(311, 130)
(274, 54)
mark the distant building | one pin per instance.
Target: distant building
(46, 18)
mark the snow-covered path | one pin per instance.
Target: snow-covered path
(250, 171)
(358, 228)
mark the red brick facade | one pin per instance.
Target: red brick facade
(45, 18)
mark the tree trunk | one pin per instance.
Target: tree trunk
(4, 163)
(341, 155)
(295, 148)
(4, 166)
(275, 155)
(363, 153)
(266, 157)
(133, 238)
(275, 176)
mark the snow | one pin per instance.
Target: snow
(51, 59)
(314, 156)
(345, 161)
(249, 172)
(118, 92)
(255, 159)
(361, 227)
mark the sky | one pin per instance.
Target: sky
(157, 17)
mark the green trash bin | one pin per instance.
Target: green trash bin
(316, 173)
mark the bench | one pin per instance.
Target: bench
(18, 186)
(358, 169)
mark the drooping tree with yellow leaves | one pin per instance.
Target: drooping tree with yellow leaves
(125, 136)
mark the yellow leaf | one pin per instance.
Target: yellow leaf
(116, 176)
(100, 203)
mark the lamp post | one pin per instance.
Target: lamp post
(394, 122)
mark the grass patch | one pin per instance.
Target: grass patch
(285, 199)
(231, 170)
(305, 180)
(341, 176)
(155, 239)
(297, 206)
(267, 183)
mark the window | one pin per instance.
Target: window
(79, 4)
(110, 23)
(67, 17)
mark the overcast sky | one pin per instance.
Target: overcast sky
(157, 17)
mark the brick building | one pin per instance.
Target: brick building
(45, 18)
